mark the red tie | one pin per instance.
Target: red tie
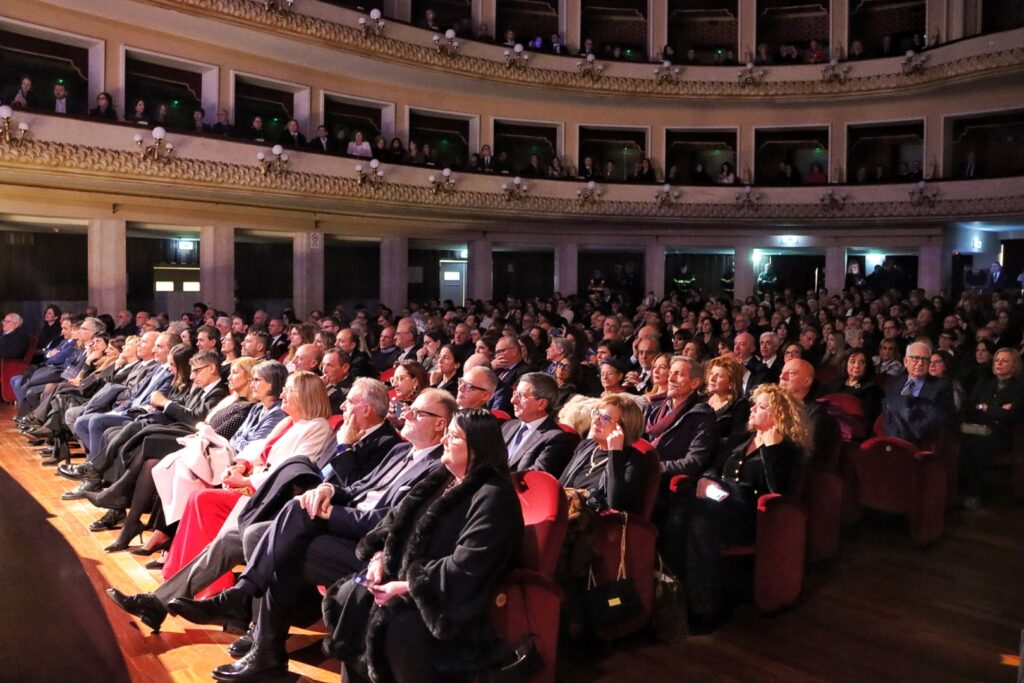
(286, 424)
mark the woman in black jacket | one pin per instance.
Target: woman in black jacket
(419, 612)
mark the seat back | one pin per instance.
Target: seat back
(12, 367)
(884, 466)
(545, 518)
(335, 421)
(653, 471)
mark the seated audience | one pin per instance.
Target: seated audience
(358, 146)
(916, 405)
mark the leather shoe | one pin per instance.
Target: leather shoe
(102, 499)
(43, 432)
(241, 647)
(145, 606)
(80, 491)
(110, 521)
(259, 662)
(79, 472)
(230, 609)
(45, 451)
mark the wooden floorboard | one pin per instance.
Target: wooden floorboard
(883, 610)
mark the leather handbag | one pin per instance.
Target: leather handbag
(668, 616)
(611, 603)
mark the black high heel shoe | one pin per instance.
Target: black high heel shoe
(128, 532)
(146, 552)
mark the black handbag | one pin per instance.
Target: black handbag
(668, 616)
(609, 604)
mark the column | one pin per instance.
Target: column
(745, 155)
(747, 41)
(400, 10)
(480, 283)
(657, 27)
(307, 272)
(956, 10)
(571, 144)
(217, 266)
(656, 151)
(744, 283)
(837, 153)
(929, 268)
(566, 268)
(835, 269)
(485, 12)
(570, 17)
(936, 20)
(394, 271)
(937, 157)
(839, 27)
(107, 268)
(654, 270)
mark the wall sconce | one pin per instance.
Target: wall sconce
(5, 128)
(921, 195)
(748, 199)
(278, 165)
(373, 28)
(516, 58)
(665, 197)
(160, 150)
(666, 73)
(834, 72)
(516, 191)
(749, 76)
(445, 184)
(589, 68)
(831, 200)
(449, 46)
(278, 5)
(589, 194)
(375, 177)
(913, 63)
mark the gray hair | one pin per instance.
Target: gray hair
(564, 344)
(544, 387)
(18, 319)
(695, 369)
(375, 393)
(98, 326)
(490, 378)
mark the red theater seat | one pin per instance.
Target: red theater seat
(12, 367)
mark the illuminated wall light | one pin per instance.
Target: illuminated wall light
(190, 286)
(464, 253)
(185, 245)
(756, 257)
(164, 286)
(452, 276)
(872, 260)
(790, 240)
(976, 243)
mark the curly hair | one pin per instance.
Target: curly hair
(734, 369)
(787, 413)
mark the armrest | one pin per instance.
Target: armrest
(924, 455)
(678, 482)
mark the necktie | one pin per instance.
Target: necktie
(908, 388)
(517, 440)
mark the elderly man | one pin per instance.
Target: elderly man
(336, 372)
(509, 365)
(307, 358)
(753, 370)
(278, 339)
(14, 340)
(383, 357)
(534, 439)
(476, 387)
(405, 340)
(126, 326)
(559, 351)
(798, 377)
(647, 349)
(917, 405)
(771, 360)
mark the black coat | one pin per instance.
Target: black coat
(357, 461)
(616, 477)
(292, 475)
(15, 344)
(688, 446)
(917, 418)
(452, 547)
(1000, 419)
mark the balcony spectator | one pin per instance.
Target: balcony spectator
(61, 103)
(429, 21)
(104, 108)
(644, 174)
(160, 118)
(611, 172)
(556, 169)
(198, 125)
(691, 57)
(817, 176)
(487, 160)
(763, 56)
(972, 167)
(510, 38)
(380, 148)
(668, 54)
(588, 48)
(413, 155)
(672, 175)
(429, 159)
(396, 152)
(138, 114)
(323, 142)
(358, 146)
(588, 170)
(700, 175)
(223, 127)
(291, 136)
(557, 47)
(726, 174)
(20, 96)
(533, 168)
(788, 54)
(856, 50)
(257, 133)
(503, 164)
(788, 174)
(815, 54)
(916, 173)
(483, 34)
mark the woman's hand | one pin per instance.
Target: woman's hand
(233, 479)
(385, 592)
(615, 439)
(375, 570)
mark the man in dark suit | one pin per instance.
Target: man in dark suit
(291, 137)
(383, 357)
(509, 365)
(278, 339)
(365, 435)
(62, 104)
(323, 142)
(534, 439)
(223, 127)
(917, 405)
(753, 371)
(313, 539)
(771, 360)
(405, 340)
(336, 371)
(798, 377)
(487, 161)
(361, 366)
(13, 340)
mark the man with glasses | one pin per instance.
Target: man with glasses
(476, 387)
(510, 366)
(917, 405)
(534, 439)
(13, 339)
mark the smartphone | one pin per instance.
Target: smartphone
(360, 579)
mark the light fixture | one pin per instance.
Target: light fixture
(160, 150)
(278, 5)
(834, 72)
(5, 128)
(374, 28)
(279, 164)
(589, 68)
(922, 195)
(666, 73)
(748, 199)
(516, 191)
(749, 76)
(444, 184)
(913, 63)
(790, 240)
(447, 46)
(590, 194)
(665, 197)
(516, 58)
(831, 200)
(375, 178)
(976, 243)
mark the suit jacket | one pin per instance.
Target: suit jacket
(406, 355)
(758, 374)
(917, 418)
(278, 347)
(15, 344)
(382, 360)
(337, 393)
(688, 445)
(326, 145)
(70, 106)
(548, 448)
(361, 366)
(199, 403)
(349, 464)
(294, 141)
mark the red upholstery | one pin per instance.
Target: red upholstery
(528, 601)
(567, 428)
(825, 375)
(387, 375)
(894, 476)
(335, 421)
(822, 497)
(640, 560)
(946, 446)
(849, 413)
(12, 367)
(501, 415)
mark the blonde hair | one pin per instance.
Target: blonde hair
(787, 412)
(310, 396)
(734, 369)
(632, 418)
(667, 357)
(576, 413)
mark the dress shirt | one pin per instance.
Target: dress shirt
(368, 500)
(522, 434)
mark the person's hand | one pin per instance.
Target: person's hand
(350, 432)
(632, 378)
(375, 570)
(74, 381)
(435, 376)
(616, 438)
(158, 400)
(385, 592)
(234, 479)
(317, 502)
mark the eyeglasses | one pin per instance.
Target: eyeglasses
(918, 359)
(454, 435)
(498, 352)
(417, 413)
(600, 417)
(524, 397)
(200, 369)
(466, 386)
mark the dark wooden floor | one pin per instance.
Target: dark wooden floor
(883, 611)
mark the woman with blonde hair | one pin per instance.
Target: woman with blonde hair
(721, 510)
(723, 379)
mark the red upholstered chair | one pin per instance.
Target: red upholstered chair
(946, 447)
(335, 421)
(849, 413)
(12, 367)
(528, 601)
(896, 477)
(501, 415)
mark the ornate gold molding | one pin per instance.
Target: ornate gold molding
(350, 38)
(127, 167)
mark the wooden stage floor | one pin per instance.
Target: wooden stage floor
(882, 611)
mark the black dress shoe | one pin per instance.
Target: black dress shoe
(257, 664)
(155, 565)
(43, 432)
(110, 521)
(80, 491)
(230, 609)
(145, 606)
(45, 451)
(102, 499)
(79, 472)
(241, 647)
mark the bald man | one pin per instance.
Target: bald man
(917, 405)
(798, 377)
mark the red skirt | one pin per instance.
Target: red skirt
(205, 513)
